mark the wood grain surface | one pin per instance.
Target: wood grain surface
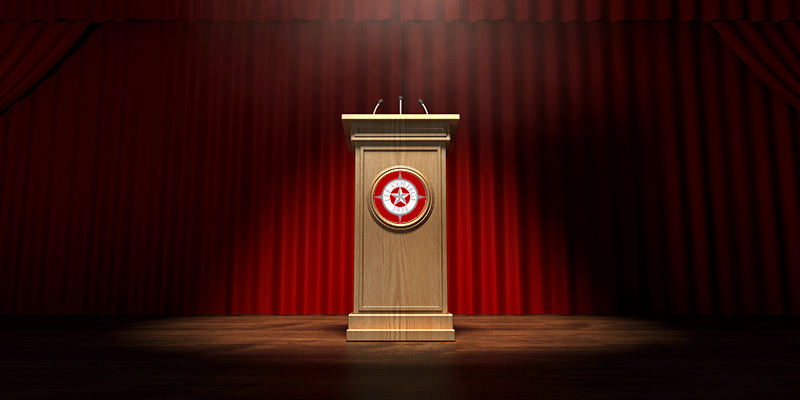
(307, 357)
(403, 270)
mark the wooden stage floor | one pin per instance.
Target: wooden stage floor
(493, 357)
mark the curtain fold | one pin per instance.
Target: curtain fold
(400, 10)
(770, 50)
(609, 168)
(28, 51)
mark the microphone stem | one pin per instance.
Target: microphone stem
(401, 107)
(376, 108)
(426, 108)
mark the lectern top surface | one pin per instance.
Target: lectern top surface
(348, 119)
(383, 117)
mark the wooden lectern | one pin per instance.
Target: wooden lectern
(400, 291)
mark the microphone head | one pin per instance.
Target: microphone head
(400, 98)
(419, 101)
(380, 101)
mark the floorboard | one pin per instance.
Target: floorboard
(307, 357)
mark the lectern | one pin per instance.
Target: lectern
(400, 263)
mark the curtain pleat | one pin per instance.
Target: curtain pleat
(28, 51)
(770, 50)
(609, 168)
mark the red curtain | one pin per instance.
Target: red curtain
(770, 50)
(615, 168)
(400, 10)
(28, 51)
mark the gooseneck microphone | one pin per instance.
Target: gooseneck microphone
(377, 105)
(401, 104)
(423, 106)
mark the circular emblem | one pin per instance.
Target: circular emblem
(401, 198)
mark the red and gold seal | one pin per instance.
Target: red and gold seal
(401, 198)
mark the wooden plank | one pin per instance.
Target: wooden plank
(300, 357)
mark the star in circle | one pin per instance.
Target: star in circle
(400, 196)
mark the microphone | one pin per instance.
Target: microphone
(401, 104)
(377, 105)
(423, 106)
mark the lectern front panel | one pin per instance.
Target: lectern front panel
(403, 270)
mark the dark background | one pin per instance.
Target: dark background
(613, 157)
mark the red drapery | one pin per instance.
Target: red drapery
(628, 167)
(770, 50)
(28, 51)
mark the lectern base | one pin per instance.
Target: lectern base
(401, 327)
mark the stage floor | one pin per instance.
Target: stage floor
(259, 356)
